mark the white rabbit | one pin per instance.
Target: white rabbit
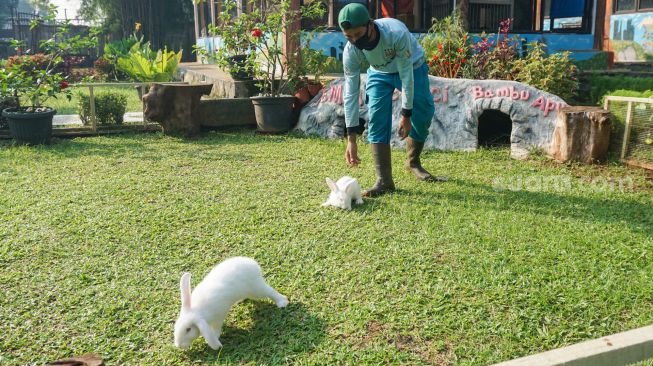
(203, 312)
(343, 192)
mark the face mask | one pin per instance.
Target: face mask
(364, 43)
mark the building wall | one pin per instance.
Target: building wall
(631, 37)
(581, 45)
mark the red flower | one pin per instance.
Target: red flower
(446, 62)
(435, 57)
(64, 84)
(430, 64)
(463, 60)
(460, 50)
(256, 32)
(465, 37)
(440, 46)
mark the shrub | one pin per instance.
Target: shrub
(109, 108)
(446, 46)
(601, 85)
(493, 59)
(555, 74)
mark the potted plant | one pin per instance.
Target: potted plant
(273, 69)
(235, 35)
(33, 79)
(306, 76)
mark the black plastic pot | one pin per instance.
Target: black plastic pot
(273, 114)
(32, 128)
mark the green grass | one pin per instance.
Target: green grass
(63, 106)
(95, 233)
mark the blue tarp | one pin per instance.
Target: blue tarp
(567, 8)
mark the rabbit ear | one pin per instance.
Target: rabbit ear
(185, 290)
(208, 334)
(332, 185)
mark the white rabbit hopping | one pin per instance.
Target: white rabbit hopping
(204, 311)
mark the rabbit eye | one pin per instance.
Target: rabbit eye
(187, 330)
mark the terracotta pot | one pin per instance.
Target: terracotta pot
(313, 89)
(303, 96)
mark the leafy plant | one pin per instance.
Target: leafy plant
(308, 61)
(601, 85)
(555, 73)
(446, 45)
(109, 108)
(142, 64)
(236, 36)
(36, 78)
(272, 67)
(493, 59)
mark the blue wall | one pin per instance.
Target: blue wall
(581, 45)
(333, 43)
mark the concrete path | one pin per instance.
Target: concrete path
(74, 120)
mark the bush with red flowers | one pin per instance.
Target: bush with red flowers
(447, 47)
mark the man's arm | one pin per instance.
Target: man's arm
(351, 64)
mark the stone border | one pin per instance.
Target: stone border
(614, 350)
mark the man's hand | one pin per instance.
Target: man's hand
(404, 127)
(351, 154)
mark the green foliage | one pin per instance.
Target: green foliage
(450, 54)
(109, 107)
(309, 62)
(108, 63)
(36, 79)
(236, 37)
(555, 73)
(142, 64)
(447, 47)
(596, 62)
(601, 85)
(272, 68)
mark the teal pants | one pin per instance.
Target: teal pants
(379, 90)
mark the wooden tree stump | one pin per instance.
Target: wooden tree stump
(582, 134)
(174, 106)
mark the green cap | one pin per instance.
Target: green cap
(353, 15)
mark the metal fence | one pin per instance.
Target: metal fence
(486, 16)
(18, 26)
(633, 128)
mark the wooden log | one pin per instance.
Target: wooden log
(174, 106)
(582, 134)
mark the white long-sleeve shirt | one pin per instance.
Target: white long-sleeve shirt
(397, 52)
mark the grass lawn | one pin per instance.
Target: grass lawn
(63, 106)
(95, 233)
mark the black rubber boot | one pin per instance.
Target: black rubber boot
(383, 165)
(414, 150)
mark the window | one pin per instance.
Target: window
(629, 6)
(567, 16)
(624, 5)
(435, 9)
